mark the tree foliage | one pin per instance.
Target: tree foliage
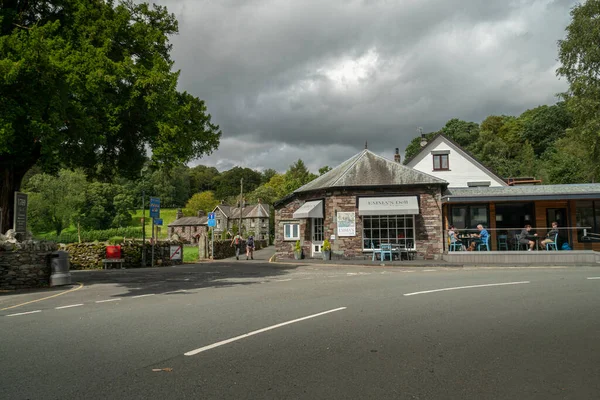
(90, 84)
(204, 201)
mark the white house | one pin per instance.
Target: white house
(445, 159)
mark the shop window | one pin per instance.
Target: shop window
(440, 162)
(468, 217)
(396, 229)
(291, 231)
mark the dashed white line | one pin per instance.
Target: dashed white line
(595, 277)
(24, 313)
(282, 280)
(69, 306)
(466, 287)
(430, 270)
(221, 343)
(105, 301)
(143, 295)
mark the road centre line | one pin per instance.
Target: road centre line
(595, 277)
(143, 295)
(24, 313)
(223, 342)
(72, 305)
(466, 287)
(105, 301)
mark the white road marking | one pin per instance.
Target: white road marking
(407, 271)
(595, 277)
(212, 346)
(72, 305)
(466, 287)
(24, 313)
(282, 280)
(143, 295)
(105, 301)
(430, 270)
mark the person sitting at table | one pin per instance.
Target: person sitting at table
(452, 234)
(483, 235)
(551, 235)
(524, 237)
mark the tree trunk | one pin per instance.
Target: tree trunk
(11, 183)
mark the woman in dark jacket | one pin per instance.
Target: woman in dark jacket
(523, 237)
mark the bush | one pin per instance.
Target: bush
(101, 235)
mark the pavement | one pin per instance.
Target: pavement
(259, 330)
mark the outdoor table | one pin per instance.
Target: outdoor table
(536, 239)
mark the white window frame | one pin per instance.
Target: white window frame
(288, 233)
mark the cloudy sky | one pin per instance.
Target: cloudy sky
(315, 79)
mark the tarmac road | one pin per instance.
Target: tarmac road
(252, 330)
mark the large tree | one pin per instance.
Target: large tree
(579, 54)
(90, 83)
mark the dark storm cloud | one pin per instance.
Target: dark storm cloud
(315, 79)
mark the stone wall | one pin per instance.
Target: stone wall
(428, 224)
(25, 264)
(224, 249)
(90, 255)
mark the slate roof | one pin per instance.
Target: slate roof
(367, 169)
(189, 221)
(260, 210)
(523, 193)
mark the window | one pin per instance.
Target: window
(218, 223)
(587, 215)
(195, 229)
(317, 230)
(252, 223)
(398, 229)
(440, 162)
(291, 231)
(468, 217)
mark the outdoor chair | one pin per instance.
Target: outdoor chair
(485, 245)
(386, 248)
(550, 245)
(375, 252)
(456, 246)
(502, 242)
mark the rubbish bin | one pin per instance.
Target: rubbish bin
(59, 266)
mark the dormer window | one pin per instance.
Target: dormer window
(440, 161)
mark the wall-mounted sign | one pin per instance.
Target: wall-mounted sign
(393, 205)
(20, 217)
(346, 223)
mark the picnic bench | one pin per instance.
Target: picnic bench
(113, 257)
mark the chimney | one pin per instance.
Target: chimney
(397, 155)
(179, 213)
(259, 201)
(200, 213)
(423, 140)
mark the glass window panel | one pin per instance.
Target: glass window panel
(584, 215)
(444, 161)
(436, 162)
(459, 217)
(478, 215)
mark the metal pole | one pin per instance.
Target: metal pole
(143, 229)
(241, 203)
(212, 243)
(152, 265)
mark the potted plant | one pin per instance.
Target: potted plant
(297, 250)
(326, 250)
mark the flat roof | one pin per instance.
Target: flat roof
(576, 191)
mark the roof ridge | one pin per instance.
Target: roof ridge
(358, 157)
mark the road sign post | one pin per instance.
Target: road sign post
(212, 223)
(154, 214)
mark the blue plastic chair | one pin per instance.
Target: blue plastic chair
(502, 242)
(552, 244)
(486, 245)
(375, 252)
(386, 248)
(455, 246)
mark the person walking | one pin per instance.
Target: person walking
(237, 241)
(250, 247)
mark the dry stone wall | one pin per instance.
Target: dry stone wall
(25, 264)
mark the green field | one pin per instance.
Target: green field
(168, 215)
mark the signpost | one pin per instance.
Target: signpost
(154, 214)
(20, 217)
(212, 223)
(158, 221)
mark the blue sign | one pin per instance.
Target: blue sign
(211, 215)
(212, 223)
(154, 207)
(158, 221)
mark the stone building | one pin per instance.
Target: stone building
(255, 219)
(189, 229)
(365, 201)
